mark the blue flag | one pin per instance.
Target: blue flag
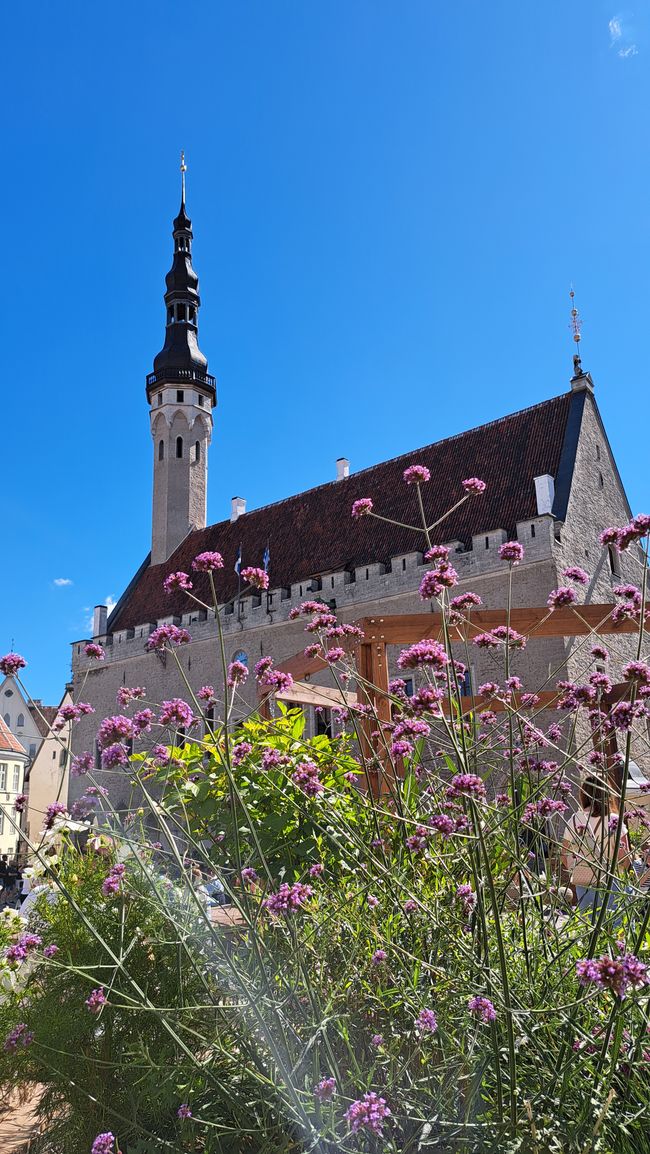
(266, 558)
(238, 562)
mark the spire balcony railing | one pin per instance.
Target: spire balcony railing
(186, 375)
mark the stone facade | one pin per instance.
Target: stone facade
(596, 499)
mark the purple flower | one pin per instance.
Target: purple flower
(482, 1009)
(426, 1022)
(377, 1040)
(81, 764)
(176, 712)
(575, 573)
(56, 809)
(255, 577)
(96, 1000)
(561, 596)
(104, 1143)
(378, 957)
(207, 562)
(92, 649)
(416, 475)
(316, 870)
(306, 777)
(288, 898)
(11, 663)
(240, 752)
(441, 823)
(335, 654)
(112, 729)
(70, 713)
(248, 874)
(466, 784)
(20, 802)
(113, 880)
(361, 507)
(473, 485)
(325, 1089)
(19, 1036)
(637, 671)
(183, 1112)
(410, 906)
(512, 551)
(426, 652)
(206, 694)
(436, 580)
(545, 807)
(176, 581)
(125, 694)
(167, 635)
(465, 601)
(613, 974)
(50, 950)
(142, 721)
(114, 756)
(368, 1113)
(373, 902)
(237, 673)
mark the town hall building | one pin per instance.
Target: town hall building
(552, 484)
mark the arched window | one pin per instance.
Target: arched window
(161, 450)
(179, 446)
(197, 451)
(21, 721)
(7, 720)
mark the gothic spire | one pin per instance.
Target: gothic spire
(180, 359)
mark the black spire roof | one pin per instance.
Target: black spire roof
(180, 358)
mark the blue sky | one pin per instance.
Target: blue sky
(390, 202)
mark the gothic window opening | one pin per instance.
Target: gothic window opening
(180, 396)
(487, 542)
(170, 316)
(532, 530)
(21, 720)
(179, 447)
(614, 561)
(197, 451)
(161, 450)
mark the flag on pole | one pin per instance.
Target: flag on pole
(266, 558)
(238, 562)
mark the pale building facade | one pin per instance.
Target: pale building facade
(13, 763)
(48, 777)
(552, 483)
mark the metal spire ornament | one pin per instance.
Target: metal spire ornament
(576, 325)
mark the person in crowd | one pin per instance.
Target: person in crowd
(589, 846)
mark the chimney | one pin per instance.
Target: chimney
(238, 507)
(100, 615)
(545, 493)
(342, 468)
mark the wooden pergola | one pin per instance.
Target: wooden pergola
(407, 628)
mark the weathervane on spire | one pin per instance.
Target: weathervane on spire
(183, 171)
(575, 326)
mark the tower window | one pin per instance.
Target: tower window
(532, 530)
(598, 452)
(180, 396)
(487, 542)
(614, 561)
(197, 451)
(201, 399)
(170, 316)
(179, 446)
(20, 721)
(192, 316)
(601, 483)
(161, 450)
(160, 398)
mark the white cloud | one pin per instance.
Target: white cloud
(62, 581)
(109, 601)
(631, 50)
(615, 29)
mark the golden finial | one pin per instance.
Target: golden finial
(183, 171)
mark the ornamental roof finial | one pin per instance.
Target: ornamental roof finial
(183, 171)
(575, 325)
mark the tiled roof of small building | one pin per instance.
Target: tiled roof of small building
(43, 717)
(9, 743)
(313, 533)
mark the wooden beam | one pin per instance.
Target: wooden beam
(317, 695)
(567, 621)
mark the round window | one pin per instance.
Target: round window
(241, 655)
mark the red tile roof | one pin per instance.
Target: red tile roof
(43, 717)
(9, 743)
(313, 533)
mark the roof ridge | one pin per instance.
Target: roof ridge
(391, 460)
